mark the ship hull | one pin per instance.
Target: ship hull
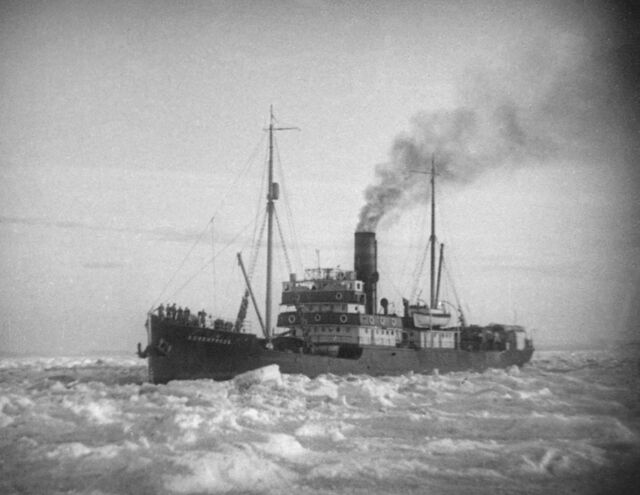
(179, 352)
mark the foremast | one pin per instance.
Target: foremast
(272, 195)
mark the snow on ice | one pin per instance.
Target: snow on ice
(567, 423)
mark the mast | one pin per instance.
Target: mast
(270, 199)
(432, 239)
(272, 195)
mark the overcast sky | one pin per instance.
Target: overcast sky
(125, 124)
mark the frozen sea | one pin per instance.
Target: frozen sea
(567, 423)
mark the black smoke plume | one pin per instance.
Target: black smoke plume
(462, 142)
(571, 97)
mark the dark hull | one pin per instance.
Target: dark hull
(179, 352)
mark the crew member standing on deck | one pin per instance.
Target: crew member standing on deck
(202, 318)
(187, 313)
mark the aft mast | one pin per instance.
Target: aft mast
(432, 238)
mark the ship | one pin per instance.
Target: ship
(330, 322)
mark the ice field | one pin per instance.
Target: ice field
(567, 423)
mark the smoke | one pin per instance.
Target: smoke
(462, 142)
(558, 98)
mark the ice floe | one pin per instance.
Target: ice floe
(567, 423)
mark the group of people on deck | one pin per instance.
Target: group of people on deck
(183, 315)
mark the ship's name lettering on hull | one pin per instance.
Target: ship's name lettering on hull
(213, 340)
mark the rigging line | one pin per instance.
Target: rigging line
(256, 239)
(456, 274)
(289, 213)
(256, 248)
(452, 257)
(224, 248)
(184, 260)
(425, 235)
(284, 246)
(451, 284)
(259, 205)
(420, 270)
(408, 269)
(245, 169)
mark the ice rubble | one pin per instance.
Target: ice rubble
(80, 425)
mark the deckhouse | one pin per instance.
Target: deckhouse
(327, 309)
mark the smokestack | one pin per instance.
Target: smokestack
(365, 265)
